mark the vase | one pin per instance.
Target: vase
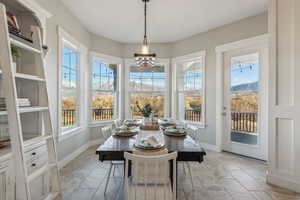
(147, 120)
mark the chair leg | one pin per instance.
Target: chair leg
(190, 172)
(108, 177)
(114, 169)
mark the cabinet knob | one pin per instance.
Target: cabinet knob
(33, 164)
(33, 153)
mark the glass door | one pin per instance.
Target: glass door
(242, 104)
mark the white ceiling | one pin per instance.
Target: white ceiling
(168, 20)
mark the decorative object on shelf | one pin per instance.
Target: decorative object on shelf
(12, 22)
(145, 58)
(15, 56)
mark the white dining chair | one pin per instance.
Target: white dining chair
(164, 167)
(117, 123)
(107, 132)
(147, 187)
(192, 132)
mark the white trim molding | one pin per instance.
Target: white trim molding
(284, 101)
(246, 44)
(189, 57)
(65, 37)
(127, 63)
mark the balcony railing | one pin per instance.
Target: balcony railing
(69, 117)
(192, 115)
(244, 122)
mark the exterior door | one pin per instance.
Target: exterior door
(245, 83)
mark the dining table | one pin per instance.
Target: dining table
(188, 150)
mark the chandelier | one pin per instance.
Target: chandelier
(145, 58)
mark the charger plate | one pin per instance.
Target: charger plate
(126, 134)
(174, 133)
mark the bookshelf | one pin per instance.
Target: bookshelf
(25, 104)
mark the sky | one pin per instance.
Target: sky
(243, 74)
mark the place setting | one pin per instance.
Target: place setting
(149, 143)
(125, 131)
(175, 130)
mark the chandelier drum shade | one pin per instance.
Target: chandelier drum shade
(145, 58)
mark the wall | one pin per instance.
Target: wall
(208, 41)
(162, 50)
(106, 46)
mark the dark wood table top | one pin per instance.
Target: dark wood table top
(188, 150)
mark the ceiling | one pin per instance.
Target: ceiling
(168, 20)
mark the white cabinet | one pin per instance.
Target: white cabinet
(7, 184)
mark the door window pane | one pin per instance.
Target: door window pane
(244, 98)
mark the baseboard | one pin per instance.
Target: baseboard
(284, 182)
(96, 142)
(210, 147)
(76, 153)
(73, 155)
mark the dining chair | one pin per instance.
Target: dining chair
(146, 186)
(117, 123)
(164, 167)
(107, 132)
(192, 132)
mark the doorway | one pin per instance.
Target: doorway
(244, 101)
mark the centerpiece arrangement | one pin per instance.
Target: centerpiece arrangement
(149, 122)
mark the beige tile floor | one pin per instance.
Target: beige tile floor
(222, 176)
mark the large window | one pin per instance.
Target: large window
(69, 86)
(190, 99)
(148, 86)
(104, 89)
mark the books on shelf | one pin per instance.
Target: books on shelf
(2, 104)
(22, 102)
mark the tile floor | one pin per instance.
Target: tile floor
(222, 176)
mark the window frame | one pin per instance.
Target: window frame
(65, 38)
(175, 94)
(167, 93)
(118, 99)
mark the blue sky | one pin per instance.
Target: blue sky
(246, 76)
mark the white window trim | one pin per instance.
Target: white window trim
(188, 57)
(64, 36)
(117, 109)
(167, 102)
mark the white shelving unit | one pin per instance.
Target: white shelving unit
(33, 148)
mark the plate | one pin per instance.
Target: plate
(175, 132)
(148, 147)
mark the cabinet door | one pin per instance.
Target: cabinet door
(39, 188)
(3, 184)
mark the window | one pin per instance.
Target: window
(190, 99)
(104, 88)
(69, 86)
(72, 115)
(148, 86)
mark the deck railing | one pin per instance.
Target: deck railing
(69, 116)
(244, 122)
(192, 115)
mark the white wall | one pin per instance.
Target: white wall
(208, 41)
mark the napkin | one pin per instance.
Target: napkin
(151, 141)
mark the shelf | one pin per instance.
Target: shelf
(28, 77)
(24, 46)
(28, 110)
(5, 153)
(32, 109)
